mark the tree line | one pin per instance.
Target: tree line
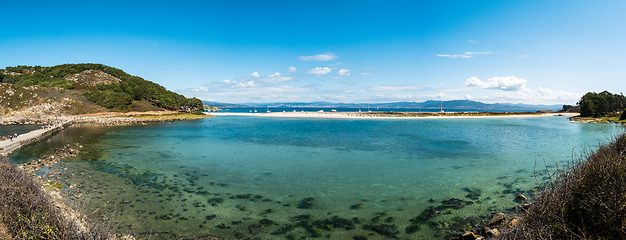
(597, 104)
(116, 96)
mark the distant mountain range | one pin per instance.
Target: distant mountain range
(430, 104)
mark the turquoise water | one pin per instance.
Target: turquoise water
(242, 177)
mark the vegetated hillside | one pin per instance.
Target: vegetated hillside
(105, 86)
(586, 201)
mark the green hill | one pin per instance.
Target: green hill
(105, 86)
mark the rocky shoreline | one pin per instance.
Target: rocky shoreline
(50, 180)
(115, 121)
(595, 120)
(43, 120)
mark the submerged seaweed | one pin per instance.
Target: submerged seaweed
(472, 193)
(382, 229)
(306, 203)
(215, 201)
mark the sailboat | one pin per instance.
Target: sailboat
(268, 108)
(441, 107)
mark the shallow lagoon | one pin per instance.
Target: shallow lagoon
(243, 177)
(6, 130)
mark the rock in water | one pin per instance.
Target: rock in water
(493, 233)
(497, 219)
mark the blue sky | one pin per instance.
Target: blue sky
(533, 52)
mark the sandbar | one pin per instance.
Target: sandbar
(395, 115)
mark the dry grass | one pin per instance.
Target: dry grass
(28, 212)
(586, 201)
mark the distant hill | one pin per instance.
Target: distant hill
(224, 105)
(105, 86)
(430, 104)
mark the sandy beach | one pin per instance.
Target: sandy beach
(375, 115)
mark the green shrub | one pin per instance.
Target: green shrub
(586, 201)
(110, 99)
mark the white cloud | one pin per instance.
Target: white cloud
(335, 64)
(473, 53)
(245, 85)
(464, 55)
(227, 81)
(500, 83)
(319, 57)
(390, 88)
(343, 72)
(367, 74)
(354, 90)
(291, 69)
(455, 90)
(454, 56)
(540, 96)
(200, 89)
(468, 97)
(276, 74)
(318, 71)
(255, 74)
(258, 93)
(276, 79)
(348, 83)
(472, 41)
(522, 56)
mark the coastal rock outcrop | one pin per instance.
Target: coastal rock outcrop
(93, 78)
(45, 113)
(122, 121)
(48, 161)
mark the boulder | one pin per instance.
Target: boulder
(497, 219)
(483, 231)
(513, 222)
(468, 236)
(521, 198)
(493, 233)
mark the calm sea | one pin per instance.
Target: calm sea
(364, 109)
(240, 177)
